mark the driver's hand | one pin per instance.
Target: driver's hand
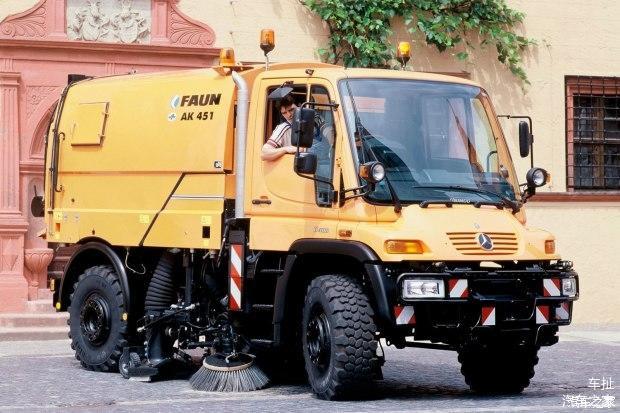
(290, 149)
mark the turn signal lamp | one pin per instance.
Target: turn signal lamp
(404, 247)
(267, 40)
(550, 246)
(227, 57)
(403, 53)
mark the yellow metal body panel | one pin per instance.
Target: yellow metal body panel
(156, 166)
(157, 128)
(197, 203)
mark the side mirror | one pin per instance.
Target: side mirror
(524, 139)
(37, 206)
(302, 132)
(305, 163)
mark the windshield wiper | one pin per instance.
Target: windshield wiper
(361, 133)
(515, 206)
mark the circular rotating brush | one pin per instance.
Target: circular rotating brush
(233, 373)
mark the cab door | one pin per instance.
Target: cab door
(285, 206)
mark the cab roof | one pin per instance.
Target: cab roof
(329, 71)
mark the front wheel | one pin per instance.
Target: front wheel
(498, 369)
(96, 325)
(338, 337)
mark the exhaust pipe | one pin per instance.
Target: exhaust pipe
(241, 130)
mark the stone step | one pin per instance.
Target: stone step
(40, 306)
(33, 319)
(45, 294)
(33, 333)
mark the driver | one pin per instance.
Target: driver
(279, 143)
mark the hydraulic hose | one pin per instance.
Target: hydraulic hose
(161, 293)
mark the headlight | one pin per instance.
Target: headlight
(569, 287)
(420, 288)
(536, 177)
(373, 172)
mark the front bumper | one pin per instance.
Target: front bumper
(480, 305)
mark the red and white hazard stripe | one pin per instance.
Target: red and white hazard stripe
(236, 277)
(458, 288)
(404, 314)
(487, 317)
(551, 287)
(562, 312)
(542, 314)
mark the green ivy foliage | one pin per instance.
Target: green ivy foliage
(359, 29)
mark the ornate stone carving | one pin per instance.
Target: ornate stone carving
(36, 261)
(10, 254)
(189, 32)
(129, 26)
(120, 21)
(30, 23)
(89, 22)
(36, 94)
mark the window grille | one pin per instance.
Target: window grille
(593, 133)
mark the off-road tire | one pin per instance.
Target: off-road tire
(97, 349)
(352, 349)
(498, 369)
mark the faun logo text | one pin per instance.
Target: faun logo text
(201, 100)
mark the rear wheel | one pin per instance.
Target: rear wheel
(338, 337)
(495, 369)
(96, 326)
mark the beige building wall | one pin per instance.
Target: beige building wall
(575, 37)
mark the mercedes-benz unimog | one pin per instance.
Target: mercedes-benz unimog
(398, 219)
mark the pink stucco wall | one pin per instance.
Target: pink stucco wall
(36, 56)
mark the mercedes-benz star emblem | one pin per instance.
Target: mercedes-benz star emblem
(485, 241)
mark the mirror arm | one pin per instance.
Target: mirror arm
(368, 188)
(527, 192)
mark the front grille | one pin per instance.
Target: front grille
(467, 244)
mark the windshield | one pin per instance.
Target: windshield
(434, 139)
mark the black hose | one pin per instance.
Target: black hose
(161, 292)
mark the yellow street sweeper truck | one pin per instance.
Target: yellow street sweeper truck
(398, 217)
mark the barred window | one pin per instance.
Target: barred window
(593, 133)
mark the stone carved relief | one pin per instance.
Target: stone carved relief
(88, 23)
(9, 254)
(129, 26)
(123, 21)
(37, 94)
(30, 23)
(182, 30)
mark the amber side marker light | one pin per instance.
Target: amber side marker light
(403, 247)
(550, 246)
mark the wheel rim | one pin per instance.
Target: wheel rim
(95, 319)
(318, 339)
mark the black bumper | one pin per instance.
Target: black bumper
(521, 304)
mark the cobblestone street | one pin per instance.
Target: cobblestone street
(417, 380)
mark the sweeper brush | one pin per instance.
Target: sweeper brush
(234, 373)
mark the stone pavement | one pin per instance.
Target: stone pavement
(44, 376)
